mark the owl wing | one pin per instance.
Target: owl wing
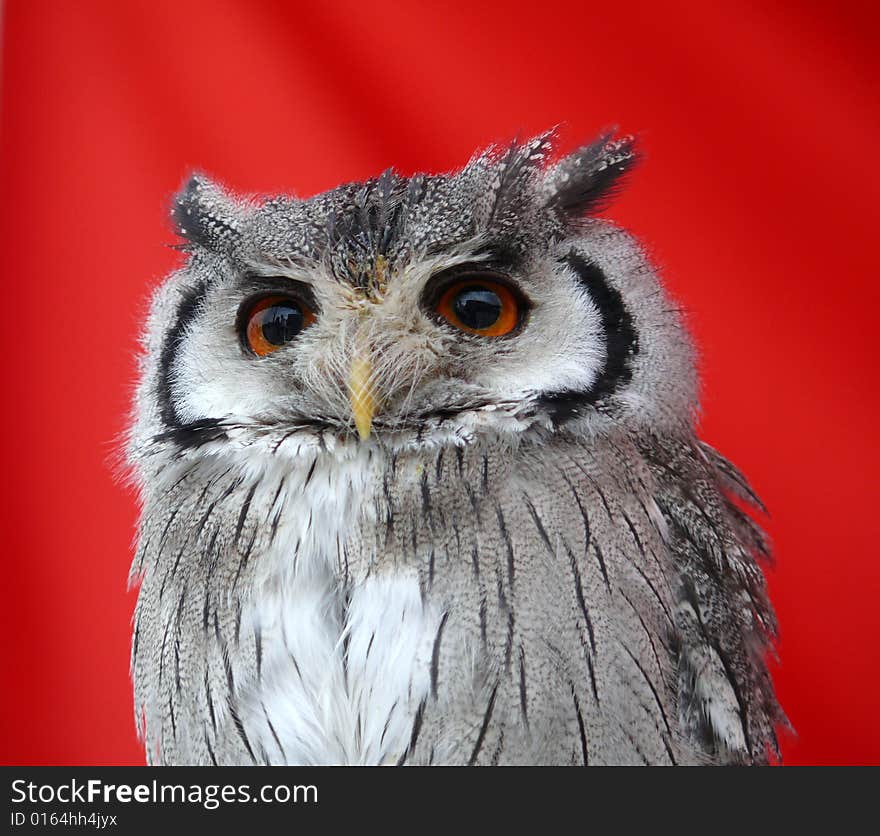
(724, 621)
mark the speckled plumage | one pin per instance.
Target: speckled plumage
(532, 559)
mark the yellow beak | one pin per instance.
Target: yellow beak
(361, 396)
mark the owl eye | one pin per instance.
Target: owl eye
(273, 321)
(481, 306)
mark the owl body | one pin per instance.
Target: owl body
(379, 528)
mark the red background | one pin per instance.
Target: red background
(759, 195)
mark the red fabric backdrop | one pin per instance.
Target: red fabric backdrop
(759, 195)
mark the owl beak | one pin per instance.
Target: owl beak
(361, 395)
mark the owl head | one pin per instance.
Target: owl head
(401, 312)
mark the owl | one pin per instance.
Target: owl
(420, 484)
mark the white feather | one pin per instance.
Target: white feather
(340, 684)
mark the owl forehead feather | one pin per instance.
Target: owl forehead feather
(505, 196)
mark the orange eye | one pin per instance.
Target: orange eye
(274, 321)
(480, 306)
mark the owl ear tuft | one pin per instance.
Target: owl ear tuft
(204, 213)
(586, 181)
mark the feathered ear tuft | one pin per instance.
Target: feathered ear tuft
(585, 181)
(203, 213)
